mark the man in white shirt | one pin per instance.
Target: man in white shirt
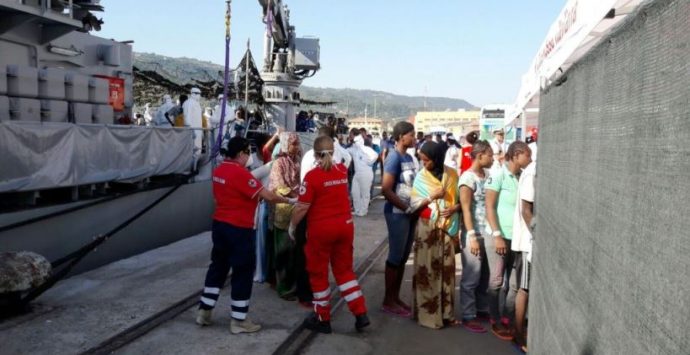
(522, 243)
(499, 146)
(340, 154)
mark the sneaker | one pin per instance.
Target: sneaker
(203, 317)
(361, 322)
(314, 324)
(243, 326)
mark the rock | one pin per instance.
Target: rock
(21, 271)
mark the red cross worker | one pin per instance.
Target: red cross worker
(323, 198)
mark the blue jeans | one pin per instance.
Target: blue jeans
(400, 237)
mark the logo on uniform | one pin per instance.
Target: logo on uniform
(252, 183)
(303, 189)
(488, 181)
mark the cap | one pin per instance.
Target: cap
(195, 91)
(498, 131)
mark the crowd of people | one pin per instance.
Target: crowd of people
(443, 197)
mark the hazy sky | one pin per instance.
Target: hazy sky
(473, 50)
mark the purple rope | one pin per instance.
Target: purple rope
(219, 140)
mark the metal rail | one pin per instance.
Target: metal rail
(298, 339)
(301, 337)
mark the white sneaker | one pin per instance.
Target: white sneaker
(203, 317)
(243, 326)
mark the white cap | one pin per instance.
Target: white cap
(196, 91)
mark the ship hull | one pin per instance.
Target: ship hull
(184, 213)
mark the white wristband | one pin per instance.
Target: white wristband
(496, 234)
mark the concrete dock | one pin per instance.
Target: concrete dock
(82, 312)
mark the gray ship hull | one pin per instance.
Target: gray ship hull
(186, 212)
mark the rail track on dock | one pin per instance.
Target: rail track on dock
(298, 339)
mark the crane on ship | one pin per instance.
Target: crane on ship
(288, 60)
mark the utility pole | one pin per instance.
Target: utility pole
(366, 106)
(375, 116)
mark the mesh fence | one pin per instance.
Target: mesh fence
(611, 272)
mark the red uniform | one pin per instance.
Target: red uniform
(330, 234)
(236, 193)
(466, 161)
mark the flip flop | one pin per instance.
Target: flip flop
(474, 326)
(397, 311)
(503, 334)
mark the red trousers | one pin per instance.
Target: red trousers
(330, 242)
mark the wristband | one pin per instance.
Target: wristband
(496, 234)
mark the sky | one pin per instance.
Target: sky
(465, 49)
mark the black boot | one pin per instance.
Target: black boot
(361, 322)
(314, 324)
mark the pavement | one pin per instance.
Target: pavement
(83, 311)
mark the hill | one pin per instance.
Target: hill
(349, 101)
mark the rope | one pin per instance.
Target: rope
(77, 256)
(228, 20)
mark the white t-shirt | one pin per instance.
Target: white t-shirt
(498, 148)
(340, 155)
(522, 236)
(451, 160)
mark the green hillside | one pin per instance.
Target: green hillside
(349, 101)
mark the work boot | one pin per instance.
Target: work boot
(203, 317)
(243, 326)
(314, 324)
(361, 322)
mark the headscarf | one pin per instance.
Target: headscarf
(437, 154)
(425, 183)
(285, 170)
(284, 179)
(286, 140)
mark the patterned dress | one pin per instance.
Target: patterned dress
(283, 180)
(433, 283)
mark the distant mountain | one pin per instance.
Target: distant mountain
(349, 101)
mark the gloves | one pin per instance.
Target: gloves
(292, 200)
(291, 232)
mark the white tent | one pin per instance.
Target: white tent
(579, 27)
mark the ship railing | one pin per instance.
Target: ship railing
(62, 7)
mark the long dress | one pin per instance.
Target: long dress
(284, 180)
(433, 283)
(434, 276)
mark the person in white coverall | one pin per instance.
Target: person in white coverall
(160, 119)
(363, 158)
(192, 117)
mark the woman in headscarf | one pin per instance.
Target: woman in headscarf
(284, 181)
(435, 193)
